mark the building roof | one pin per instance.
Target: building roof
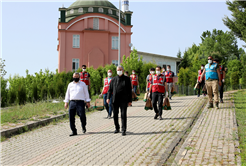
(164, 56)
(82, 3)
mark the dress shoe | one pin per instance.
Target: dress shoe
(123, 133)
(116, 131)
(156, 115)
(84, 130)
(170, 98)
(161, 118)
(221, 100)
(73, 134)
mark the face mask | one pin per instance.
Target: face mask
(210, 61)
(152, 72)
(168, 69)
(202, 68)
(163, 70)
(158, 72)
(109, 74)
(119, 73)
(133, 72)
(76, 79)
(84, 69)
(126, 75)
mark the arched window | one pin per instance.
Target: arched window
(110, 11)
(80, 10)
(71, 11)
(90, 9)
(100, 10)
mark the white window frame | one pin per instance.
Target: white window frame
(76, 61)
(115, 42)
(76, 41)
(96, 23)
(110, 11)
(71, 11)
(80, 10)
(115, 62)
(100, 10)
(90, 9)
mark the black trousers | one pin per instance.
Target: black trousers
(156, 96)
(221, 90)
(201, 85)
(79, 108)
(123, 108)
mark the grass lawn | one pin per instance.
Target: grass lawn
(240, 104)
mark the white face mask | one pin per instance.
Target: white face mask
(152, 72)
(109, 74)
(84, 69)
(163, 70)
(168, 69)
(158, 72)
(202, 68)
(133, 72)
(119, 73)
(210, 61)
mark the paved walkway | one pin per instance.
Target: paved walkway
(213, 140)
(148, 141)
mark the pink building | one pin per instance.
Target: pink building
(88, 34)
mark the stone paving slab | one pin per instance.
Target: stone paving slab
(214, 138)
(145, 143)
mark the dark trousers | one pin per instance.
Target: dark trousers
(221, 90)
(108, 106)
(135, 87)
(156, 96)
(201, 85)
(123, 108)
(79, 108)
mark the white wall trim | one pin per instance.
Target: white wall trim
(92, 17)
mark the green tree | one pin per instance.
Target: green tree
(2, 65)
(179, 55)
(237, 24)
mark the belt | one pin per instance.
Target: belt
(77, 100)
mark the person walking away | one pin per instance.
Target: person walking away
(169, 79)
(222, 77)
(157, 88)
(212, 78)
(120, 88)
(77, 93)
(107, 82)
(201, 85)
(135, 82)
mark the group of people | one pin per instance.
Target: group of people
(117, 91)
(212, 75)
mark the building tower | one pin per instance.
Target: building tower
(125, 5)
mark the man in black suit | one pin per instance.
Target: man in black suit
(120, 86)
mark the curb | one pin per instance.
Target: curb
(29, 125)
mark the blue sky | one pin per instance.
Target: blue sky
(29, 29)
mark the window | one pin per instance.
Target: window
(75, 65)
(164, 66)
(80, 10)
(66, 13)
(76, 41)
(100, 10)
(110, 11)
(96, 23)
(115, 62)
(90, 9)
(71, 11)
(117, 13)
(115, 42)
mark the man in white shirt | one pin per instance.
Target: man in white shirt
(77, 93)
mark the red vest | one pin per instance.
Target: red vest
(199, 75)
(158, 85)
(134, 79)
(106, 85)
(221, 72)
(169, 77)
(150, 79)
(84, 78)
